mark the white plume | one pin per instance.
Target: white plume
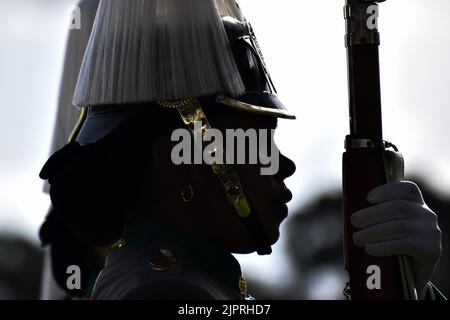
(149, 50)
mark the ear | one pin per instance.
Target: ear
(180, 175)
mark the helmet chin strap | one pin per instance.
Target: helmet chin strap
(192, 113)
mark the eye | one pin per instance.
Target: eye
(266, 140)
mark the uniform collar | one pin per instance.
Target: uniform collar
(216, 262)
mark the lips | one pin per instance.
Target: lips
(287, 196)
(284, 195)
(284, 210)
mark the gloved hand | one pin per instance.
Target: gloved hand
(400, 223)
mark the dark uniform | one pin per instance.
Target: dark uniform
(161, 262)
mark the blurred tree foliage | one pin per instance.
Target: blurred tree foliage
(20, 268)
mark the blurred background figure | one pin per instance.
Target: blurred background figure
(39, 62)
(62, 248)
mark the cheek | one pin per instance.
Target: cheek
(261, 196)
(258, 190)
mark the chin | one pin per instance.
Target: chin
(276, 236)
(272, 235)
(271, 239)
(244, 251)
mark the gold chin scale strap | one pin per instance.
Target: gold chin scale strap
(191, 112)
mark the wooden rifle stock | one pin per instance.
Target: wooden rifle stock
(368, 162)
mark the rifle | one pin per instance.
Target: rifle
(368, 161)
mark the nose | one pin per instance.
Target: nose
(287, 167)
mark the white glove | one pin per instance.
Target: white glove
(400, 223)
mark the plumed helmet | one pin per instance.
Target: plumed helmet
(143, 51)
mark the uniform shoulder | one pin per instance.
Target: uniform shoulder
(169, 276)
(171, 288)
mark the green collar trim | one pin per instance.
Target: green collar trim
(216, 262)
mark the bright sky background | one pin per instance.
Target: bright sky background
(303, 43)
